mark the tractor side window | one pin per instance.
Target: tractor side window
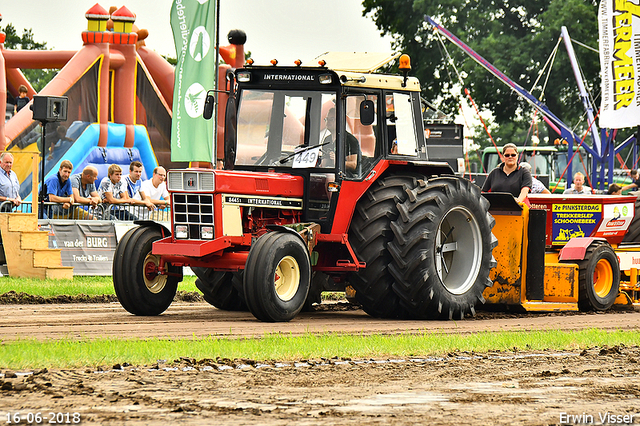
(401, 128)
(360, 158)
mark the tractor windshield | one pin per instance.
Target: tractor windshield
(280, 128)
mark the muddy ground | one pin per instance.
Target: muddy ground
(528, 388)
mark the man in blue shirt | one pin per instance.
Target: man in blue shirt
(132, 183)
(9, 184)
(59, 191)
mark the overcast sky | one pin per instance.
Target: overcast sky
(283, 29)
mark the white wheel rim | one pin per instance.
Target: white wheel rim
(154, 282)
(287, 278)
(458, 252)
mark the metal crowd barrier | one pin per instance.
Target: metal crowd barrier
(119, 212)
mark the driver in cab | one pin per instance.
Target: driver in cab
(329, 146)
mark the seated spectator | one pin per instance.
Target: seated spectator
(578, 186)
(132, 183)
(9, 184)
(58, 188)
(537, 187)
(84, 191)
(614, 189)
(112, 192)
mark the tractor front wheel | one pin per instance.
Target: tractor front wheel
(277, 277)
(143, 286)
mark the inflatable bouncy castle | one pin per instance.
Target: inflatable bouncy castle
(120, 95)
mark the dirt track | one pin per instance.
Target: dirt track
(93, 320)
(461, 388)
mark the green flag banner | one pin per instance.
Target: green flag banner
(193, 25)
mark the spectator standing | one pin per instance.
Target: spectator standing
(509, 176)
(9, 184)
(59, 190)
(156, 188)
(578, 186)
(22, 99)
(84, 191)
(133, 183)
(537, 187)
(635, 184)
(112, 192)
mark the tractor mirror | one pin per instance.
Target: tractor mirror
(230, 133)
(209, 102)
(367, 112)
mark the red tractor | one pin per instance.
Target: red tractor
(326, 184)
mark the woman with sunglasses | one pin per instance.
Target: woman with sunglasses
(509, 176)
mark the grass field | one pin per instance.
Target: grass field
(92, 286)
(107, 352)
(65, 354)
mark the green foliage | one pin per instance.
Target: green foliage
(37, 77)
(517, 39)
(107, 352)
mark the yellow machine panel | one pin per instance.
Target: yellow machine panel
(507, 275)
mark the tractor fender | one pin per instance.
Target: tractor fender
(576, 248)
(307, 232)
(163, 229)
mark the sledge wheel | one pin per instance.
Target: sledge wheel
(599, 278)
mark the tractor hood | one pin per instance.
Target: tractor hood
(235, 182)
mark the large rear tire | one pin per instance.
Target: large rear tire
(141, 287)
(221, 289)
(599, 278)
(369, 233)
(442, 249)
(277, 277)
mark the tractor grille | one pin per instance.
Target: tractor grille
(194, 211)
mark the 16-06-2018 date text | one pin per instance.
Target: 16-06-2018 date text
(42, 417)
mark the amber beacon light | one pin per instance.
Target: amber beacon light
(405, 67)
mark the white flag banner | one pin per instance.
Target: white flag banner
(619, 25)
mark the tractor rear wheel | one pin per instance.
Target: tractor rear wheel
(318, 280)
(277, 277)
(599, 278)
(221, 289)
(442, 249)
(142, 287)
(369, 234)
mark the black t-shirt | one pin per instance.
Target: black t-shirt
(352, 147)
(21, 102)
(499, 181)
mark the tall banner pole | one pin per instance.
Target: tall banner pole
(194, 34)
(217, 62)
(619, 26)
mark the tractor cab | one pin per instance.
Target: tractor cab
(330, 124)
